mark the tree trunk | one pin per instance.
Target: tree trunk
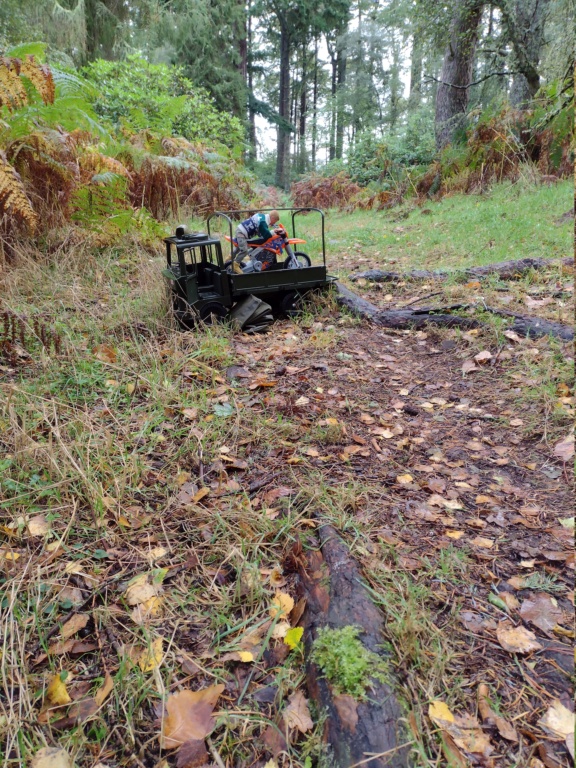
(527, 38)
(395, 87)
(341, 81)
(283, 136)
(250, 76)
(315, 106)
(452, 95)
(303, 112)
(333, 82)
(415, 96)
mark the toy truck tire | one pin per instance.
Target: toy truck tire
(290, 303)
(212, 311)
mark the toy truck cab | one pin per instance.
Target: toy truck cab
(200, 284)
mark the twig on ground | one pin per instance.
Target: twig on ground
(421, 298)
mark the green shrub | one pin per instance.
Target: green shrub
(138, 95)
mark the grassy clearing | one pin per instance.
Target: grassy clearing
(510, 221)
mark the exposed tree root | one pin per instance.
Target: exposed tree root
(526, 325)
(523, 325)
(401, 318)
(506, 270)
(336, 598)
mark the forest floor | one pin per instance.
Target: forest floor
(154, 484)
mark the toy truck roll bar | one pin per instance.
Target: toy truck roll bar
(228, 216)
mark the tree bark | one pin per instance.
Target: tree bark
(333, 83)
(337, 598)
(416, 318)
(457, 69)
(526, 31)
(303, 113)
(415, 94)
(315, 106)
(341, 81)
(283, 136)
(250, 76)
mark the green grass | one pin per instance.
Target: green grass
(510, 221)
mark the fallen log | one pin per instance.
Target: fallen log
(524, 325)
(367, 732)
(401, 318)
(506, 270)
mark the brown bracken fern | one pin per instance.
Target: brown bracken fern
(13, 199)
(13, 94)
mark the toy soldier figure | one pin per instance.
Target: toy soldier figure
(257, 225)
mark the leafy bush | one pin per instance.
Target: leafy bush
(141, 96)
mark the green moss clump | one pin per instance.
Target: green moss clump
(348, 666)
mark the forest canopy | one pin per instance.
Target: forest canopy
(369, 89)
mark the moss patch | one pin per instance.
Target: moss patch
(348, 666)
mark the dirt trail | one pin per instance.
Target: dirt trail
(445, 490)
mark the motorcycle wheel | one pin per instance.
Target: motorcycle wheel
(302, 258)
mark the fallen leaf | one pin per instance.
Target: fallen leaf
(152, 657)
(105, 353)
(57, 692)
(140, 589)
(439, 501)
(105, 690)
(542, 610)
(297, 713)
(347, 708)
(564, 449)
(455, 534)
(505, 729)
(509, 600)
(558, 720)
(271, 764)
(38, 526)
(51, 757)
(156, 553)
(516, 639)
(404, 479)
(468, 366)
(480, 541)
(567, 522)
(192, 754)
(464, 731)
(189, 716)
(146, 610)
(274, 740)
(293, 637)
(439, 713)
(75, 624)
(302, 401)
(280, 630)
(281, 605)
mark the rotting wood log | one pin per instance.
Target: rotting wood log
(506, 270)
(336, 597)
(524, 325)
(401, 318)
(527, 325)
